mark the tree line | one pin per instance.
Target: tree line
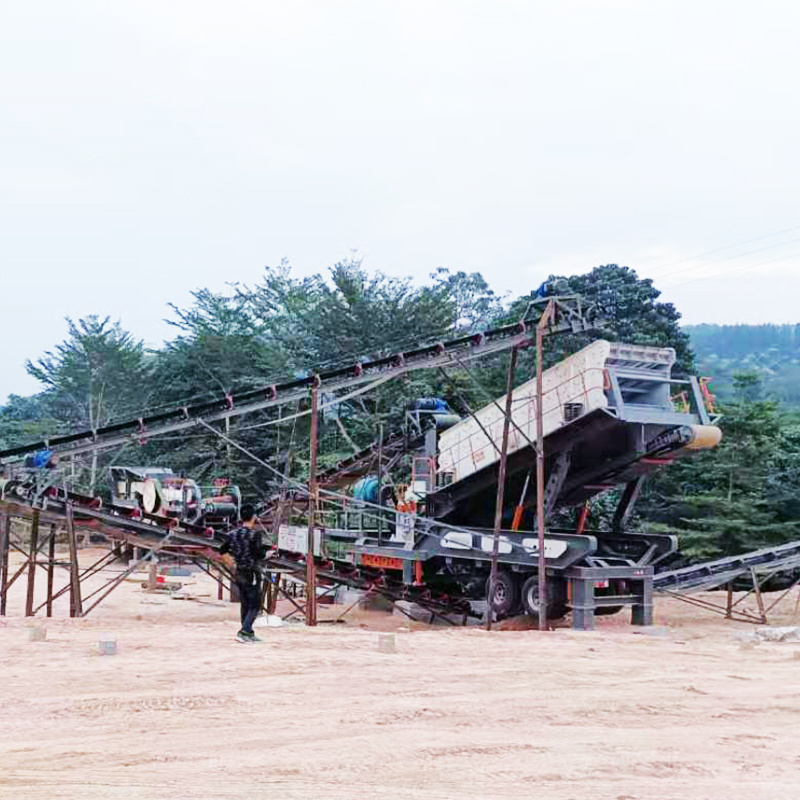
(743, 495)
(770, 351)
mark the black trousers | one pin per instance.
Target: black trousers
(249, 584)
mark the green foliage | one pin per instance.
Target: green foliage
(770, 351)
(631, 308)
(26, 419)
(95, 373)
(744, 494)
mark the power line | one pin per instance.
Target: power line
(672, 273)
(722, 249)
(746, 268)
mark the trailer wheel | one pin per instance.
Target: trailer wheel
(556, 598)
(506, 593)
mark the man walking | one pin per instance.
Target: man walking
(247, 548)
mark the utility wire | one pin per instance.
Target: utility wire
(672, 273)
(746, 268)
(722, 249)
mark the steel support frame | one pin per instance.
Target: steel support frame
(584, 600)
(729, 610)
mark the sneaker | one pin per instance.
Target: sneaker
(243, 638)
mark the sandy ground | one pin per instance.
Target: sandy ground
(184, 711)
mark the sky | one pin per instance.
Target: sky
(149, 148)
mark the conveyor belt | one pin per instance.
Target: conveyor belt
(711, 574)
(463, 348)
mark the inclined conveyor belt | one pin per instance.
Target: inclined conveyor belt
(711, 574)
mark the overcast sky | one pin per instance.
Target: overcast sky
(151, 148)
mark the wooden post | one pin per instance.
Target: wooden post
(311, 570)
(75, 602)
(5, 538)
(501, 485)
(51, 557)
(34, 545)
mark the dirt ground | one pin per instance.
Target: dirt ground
(682, 710)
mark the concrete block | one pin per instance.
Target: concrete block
(36, 634)
(107, 647)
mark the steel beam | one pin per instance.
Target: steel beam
(501, 486)
(5, 537)
(34, 548)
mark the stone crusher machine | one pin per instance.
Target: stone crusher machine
(610, 418)
(157, 490)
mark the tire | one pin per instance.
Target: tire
(506, 594)
(556, 598)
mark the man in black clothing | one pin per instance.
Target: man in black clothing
(247, 549)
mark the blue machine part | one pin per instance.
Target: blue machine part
(366, 489)
(39, 460)
(434, 404)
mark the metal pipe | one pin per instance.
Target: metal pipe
(380, 482)
(501, 484)
(542, 566)
(313, 502)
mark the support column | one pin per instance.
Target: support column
(51, 566)
(501, 486)
(311, 567)
(582, 592)
(545, 320)
(759, 598)
(642, 612)
(75, 601)
(5, 538)
(34, 549)
(729, 603)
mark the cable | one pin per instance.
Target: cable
(727, 258)
(722, 249)
(734, 272)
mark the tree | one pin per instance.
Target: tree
(631, 309)
(96, 374)
(25, 419)
(744, 494)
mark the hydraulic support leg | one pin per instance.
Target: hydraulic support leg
(642, 611)
(582, 593)
(626, 504)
